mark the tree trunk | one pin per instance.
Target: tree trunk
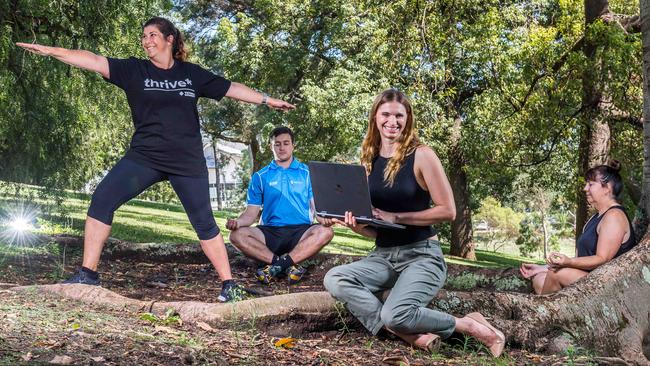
(594, 139)
(607, 311)
(461, 228)
(641, 218)
(217, 180)
(545, 232)
(255, 150)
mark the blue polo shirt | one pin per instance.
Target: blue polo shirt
(284, 194)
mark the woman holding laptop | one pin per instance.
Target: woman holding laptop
(405, 177)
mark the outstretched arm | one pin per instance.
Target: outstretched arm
(245, 94)
(79, 58)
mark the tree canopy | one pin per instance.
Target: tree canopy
(504, 91)
(60, 126)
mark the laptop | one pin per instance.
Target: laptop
(343, 187)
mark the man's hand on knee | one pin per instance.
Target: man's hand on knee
(232, 224)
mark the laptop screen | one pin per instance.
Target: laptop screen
(339, 188)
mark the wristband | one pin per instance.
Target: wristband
(265, 98)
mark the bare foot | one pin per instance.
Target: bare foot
(487, 334)
(425, 341)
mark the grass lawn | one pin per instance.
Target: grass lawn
(146, 221)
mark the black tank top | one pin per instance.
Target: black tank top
(588, 240)
(405, 195)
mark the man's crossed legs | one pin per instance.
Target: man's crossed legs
(281, 248)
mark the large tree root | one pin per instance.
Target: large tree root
(309, 311)
(607, 311)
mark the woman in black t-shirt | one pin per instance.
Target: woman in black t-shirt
(162, 92)
(605, 236)
(404, 178)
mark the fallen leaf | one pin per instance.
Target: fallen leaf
(48, 344)
(98, 359)
(396, 360)
(27, 357)
(165, 329)
(144, 264)
(62, 360)
(233, 354)
(285, 342)
(157, 284)
(205, 326)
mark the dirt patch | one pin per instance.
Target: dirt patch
(170, 276)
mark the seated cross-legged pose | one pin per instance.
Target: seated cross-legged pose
(162, 92)
(606, 235)
(285, 235)
(405, 177)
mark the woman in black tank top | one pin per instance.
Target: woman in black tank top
(606, 235)
(405, 178)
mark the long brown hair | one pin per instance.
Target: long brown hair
(408, 140)
(167, 29)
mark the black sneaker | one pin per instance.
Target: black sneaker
(83, 278)
(231, 292)
(295, 273)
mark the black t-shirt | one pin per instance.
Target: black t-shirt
(163, 107)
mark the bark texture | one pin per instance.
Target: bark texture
(642, 217)
(461, 227)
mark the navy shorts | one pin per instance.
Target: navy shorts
(128, 179)
(282, 239)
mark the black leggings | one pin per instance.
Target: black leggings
(128, 179)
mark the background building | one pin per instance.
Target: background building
(224, 176)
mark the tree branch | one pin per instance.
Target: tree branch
(555, 68)
(631, 24)
(627, 23)
(554, 143)
(617, 115)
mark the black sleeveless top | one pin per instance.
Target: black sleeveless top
(588, 240)
(405, 195)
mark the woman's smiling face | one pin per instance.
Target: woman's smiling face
(391, 120)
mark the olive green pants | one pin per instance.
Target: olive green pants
(413, 272)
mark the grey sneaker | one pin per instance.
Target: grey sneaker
(83, 278)
(231, 292)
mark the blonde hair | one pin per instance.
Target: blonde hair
(408, 140)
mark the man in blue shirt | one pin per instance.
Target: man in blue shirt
(286, 234)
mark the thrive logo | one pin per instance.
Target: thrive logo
(181, 86)
(153, 84)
